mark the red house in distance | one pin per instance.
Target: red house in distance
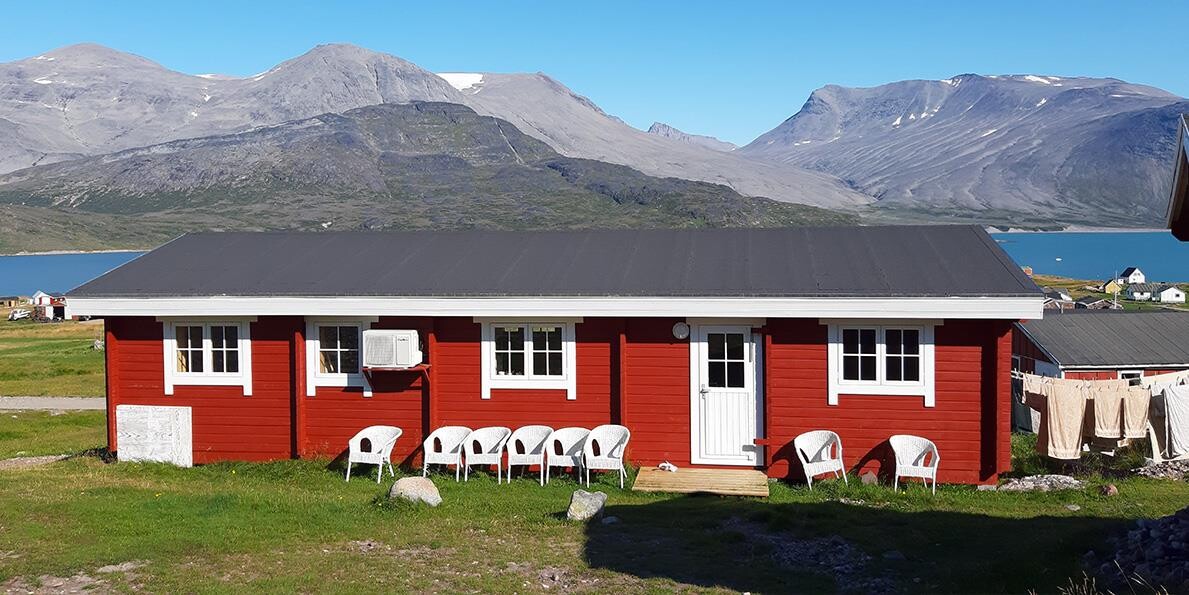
(715, 347)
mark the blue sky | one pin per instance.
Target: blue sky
(731, 69)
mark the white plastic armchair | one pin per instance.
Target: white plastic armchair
(820, 452)
(604, 449)
(485, 446)
(377, 451)
(443, 446)
(563, 448)
(915, 457)
(526, 446)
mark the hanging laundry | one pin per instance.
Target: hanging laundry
(1061, 423)
(1160, 381)
(1108, 410)
(1176, 409)
(1136, 405)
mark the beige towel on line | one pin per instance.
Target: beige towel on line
(1061, 430)
(1108, 411)
(1135, 412)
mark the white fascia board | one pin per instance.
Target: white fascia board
(986, 308)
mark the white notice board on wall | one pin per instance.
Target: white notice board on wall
(155, 433)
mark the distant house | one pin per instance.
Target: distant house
(1142, 292)
(11, 301)
(48, 306)
(1057, 300)
(1131, 276)
(1103, 344)
(1178, 204)
(1093, 302)
(1170, 294)
(1111, 286)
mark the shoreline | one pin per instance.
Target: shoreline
(1076, 229)
(69, 252)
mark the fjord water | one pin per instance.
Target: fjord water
(55, 273)
(1099, 255)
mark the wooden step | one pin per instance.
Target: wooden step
(725, 482)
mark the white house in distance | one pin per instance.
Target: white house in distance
(1156, 292)
(1170, 294)
(1131, 276)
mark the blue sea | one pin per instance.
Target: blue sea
(1099, 255)
(1081, 255)
(55, 273)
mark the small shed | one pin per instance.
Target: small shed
(1104, 344)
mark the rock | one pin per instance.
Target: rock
(1041, 483)
(1174, 470)
(1072, 507)
(611, 520)
(417, 490)
(1154, 550)
(1109, 490)
(869, 478)
(586, 505)
(987, 488)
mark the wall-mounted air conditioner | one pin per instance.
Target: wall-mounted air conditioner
(383, 348)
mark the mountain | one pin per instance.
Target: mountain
(1013, 149)
(574, 126)
(662, 129)
(89, 100)
(410, 165)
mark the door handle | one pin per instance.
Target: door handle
(703, 390)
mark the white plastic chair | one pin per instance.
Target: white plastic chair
(603, 450)
(820, 452)
(563, 448)
(915, 457)
(485, 446)
(380, 439)
(526, 446)
(443, 446)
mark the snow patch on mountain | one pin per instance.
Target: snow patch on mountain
(463, 81)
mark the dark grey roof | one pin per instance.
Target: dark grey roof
(1149, 287)
(819, 261)
(1091, 299)
(1127, 271)
(1112, 338)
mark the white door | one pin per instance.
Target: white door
(725, 411)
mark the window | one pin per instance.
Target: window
(333, 354)
(527, 355)
(338, 349)
(207, 353)
(725, 361)
(1134, 376)
(875, 359)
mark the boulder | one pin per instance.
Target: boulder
(869, 478)
(417, 490)
(1041, 483)
(1109, 490)
(586, 505)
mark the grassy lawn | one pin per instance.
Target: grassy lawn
(51, 359)
(296, 526)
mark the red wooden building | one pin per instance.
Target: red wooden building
(715, 347)
(1103, 344)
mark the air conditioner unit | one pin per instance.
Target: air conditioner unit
(384, 348)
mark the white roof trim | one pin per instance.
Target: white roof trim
(993, 308)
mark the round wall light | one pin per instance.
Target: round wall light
(681, 331)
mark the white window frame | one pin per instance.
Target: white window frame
(567, 381)
(314, 378)
(242, 378)
(1139, 374)
(925, 387)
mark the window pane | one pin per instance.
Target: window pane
(867, 340)
(501, 364)
(349, 362)
(555, 339)
(217, 337)
(231, 333)
(555, 364)
(912, 341)
(912, 369)
(196, 360)
(850, 367)
(540, 363)
(718, 374)
(501, 338)
(183, 363)
(217, 361)
(735, 346)
(517, 363)
(716, 344)
(348, 338)
(850, 340)
(328, 362)
(232, 362)
(894, 366)
(328, 337)
(867, 368)
(892, 338)
(735, 374)
(183, 336)
(516, 339)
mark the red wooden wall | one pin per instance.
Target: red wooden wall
(630, 371)
(1113, 374)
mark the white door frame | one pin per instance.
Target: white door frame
(754, 455)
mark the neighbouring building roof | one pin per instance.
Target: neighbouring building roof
(925, 261)
(1144, 287)
(1113, 338)
(1091, 299)
(1127, 271)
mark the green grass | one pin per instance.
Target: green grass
(296, 526)
(50, 359)
(34, 433)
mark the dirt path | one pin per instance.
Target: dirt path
(53, 403)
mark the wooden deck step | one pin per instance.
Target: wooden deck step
(725, 482)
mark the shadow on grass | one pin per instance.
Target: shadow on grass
(751, 545)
